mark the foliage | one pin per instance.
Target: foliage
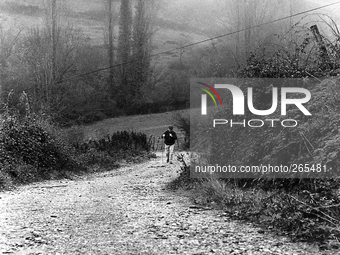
(304, 215)
(106, 153)
(29, 151)
(46, 65)
(183, 123)
(306, 208)
(102, 159)
(298, 53)
(124, 38)
(33, 149)
(72, 135)
(183, 181)
(118, 141)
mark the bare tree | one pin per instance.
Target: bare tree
(8, 41)
(110, 40)
(49, 54)
(248, 15)
(141, 41)
(142, 33)
(52, 24)
(124, 39)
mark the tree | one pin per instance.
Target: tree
(52, 23)
(248, 15)
(8, 42)
(47, 56)
(141, 69)
(140, 47)
(124, 53)
(124, 39)
(110, 45)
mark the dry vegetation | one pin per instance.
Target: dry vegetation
(31, 148)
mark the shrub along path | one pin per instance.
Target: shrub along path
(125, 212)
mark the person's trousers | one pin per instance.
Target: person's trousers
(169, 152)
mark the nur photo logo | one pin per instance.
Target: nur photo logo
(204, 97)
(281, 97)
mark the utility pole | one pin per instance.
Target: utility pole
(326, 62)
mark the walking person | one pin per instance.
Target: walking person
(170, 138)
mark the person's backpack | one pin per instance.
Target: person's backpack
(170, 139)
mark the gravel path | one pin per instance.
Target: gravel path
(129, 213)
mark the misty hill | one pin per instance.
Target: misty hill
(178, 22)
(89, 15)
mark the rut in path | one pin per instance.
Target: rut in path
(125, 212)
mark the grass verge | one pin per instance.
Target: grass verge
(311, 215)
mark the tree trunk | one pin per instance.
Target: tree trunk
(247, 32)
(110, 44)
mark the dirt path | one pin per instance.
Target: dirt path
(130, 213)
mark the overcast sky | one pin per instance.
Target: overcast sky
(324, 2)
(333, 10)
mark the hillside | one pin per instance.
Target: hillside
(177, 23)
(88, 16)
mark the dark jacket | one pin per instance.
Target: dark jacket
(170, 137)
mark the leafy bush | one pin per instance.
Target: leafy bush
(19, 172)
(29, 150)
(30, 143)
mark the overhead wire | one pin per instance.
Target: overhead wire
(198, 42)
